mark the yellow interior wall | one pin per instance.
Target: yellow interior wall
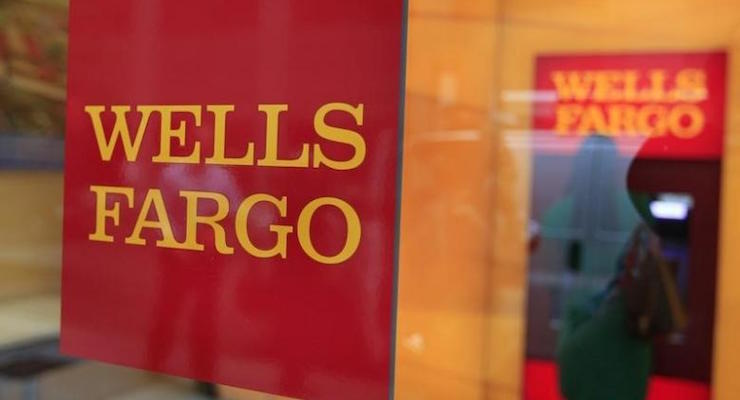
(30, 232)
(726, 354)
(445, 276)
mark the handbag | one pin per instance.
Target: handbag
(648, 287)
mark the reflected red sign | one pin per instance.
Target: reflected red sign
(667, 105)
(231, 193)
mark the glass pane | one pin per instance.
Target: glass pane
(567, 217)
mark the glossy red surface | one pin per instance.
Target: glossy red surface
(541, 383)
(291, 326)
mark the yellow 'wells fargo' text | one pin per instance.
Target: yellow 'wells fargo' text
(176, 148)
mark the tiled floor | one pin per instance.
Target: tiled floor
(28, 318)
(161, 391)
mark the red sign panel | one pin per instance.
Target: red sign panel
(231, 191)
(672, 106)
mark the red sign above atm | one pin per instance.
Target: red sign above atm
(671, 106)
(231, 192)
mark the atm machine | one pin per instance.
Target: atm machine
(591, 190)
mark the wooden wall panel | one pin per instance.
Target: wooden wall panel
(445, 232)
(30, 232)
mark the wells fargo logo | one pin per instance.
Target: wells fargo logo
(122, 136)
(630, 102)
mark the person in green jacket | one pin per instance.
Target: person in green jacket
(598, 355)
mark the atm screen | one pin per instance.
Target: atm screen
(671, 213)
